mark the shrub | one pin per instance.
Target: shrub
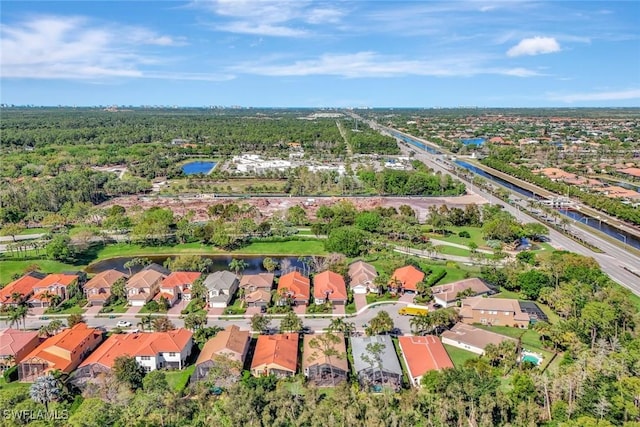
(11, 374)
(464, 234)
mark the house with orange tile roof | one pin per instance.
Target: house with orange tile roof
(152, 350)
(98, 289)
(632, 172)
(275, 354)
(361, 277)
(423, 354)
(321, 367)
(232, 344)
(494, 311)
(20, 289)
(448, 295)
(294, 288)
(177, 285)
(144, 285)
(15, 345)
(473, 339)
(52, 284)
(63, 352)
(329, 286)
(406, 279)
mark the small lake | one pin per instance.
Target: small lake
(220, 262)
(193, 168)
(473, 141)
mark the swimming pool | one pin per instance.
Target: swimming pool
(528, 356)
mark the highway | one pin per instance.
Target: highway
(612, 261)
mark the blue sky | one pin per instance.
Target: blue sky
(321, 54)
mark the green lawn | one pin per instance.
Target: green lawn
(474, 232)
(35, 230)
(124, 249)
(178, 379)
(459, 356)
(293, 247)
(71, 310)
(451, 250)
(10, 266)
(13, 385)
(119, 308)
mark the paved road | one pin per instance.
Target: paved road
(316, 324)
(612, 261)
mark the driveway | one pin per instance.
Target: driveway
(94, 309)
(407, 297)
(300, 309)
(215, 311)
(132, 311)
(253, 310)
(360, 300)
(37, 311)
(339, 309)
(176, 309)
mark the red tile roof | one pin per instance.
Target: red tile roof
(409, 276)
(631, 171)
(138, 344)
(279, 349)
(57, 279)
(424, 354)
(331, 283)
(24, 286)
(13, 340)
(180, 278)
(297, 284)
(64, 350)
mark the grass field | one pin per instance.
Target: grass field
(36, 230)
(474, 232)
(12, 266)
(459, 356)
(294, 247)
(451, 250)
(13, 385)
(179, 379)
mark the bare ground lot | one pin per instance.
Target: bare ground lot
(268, 206)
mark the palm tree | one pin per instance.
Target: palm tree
(339, 325)
(45, 389)
(238, 265)
(13, 317)
(145, 321)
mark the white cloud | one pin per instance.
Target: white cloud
(598, 96)
(275, 18)
(55, 47)
(534, 46)
(371, 64)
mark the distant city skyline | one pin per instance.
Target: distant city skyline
(303, 53)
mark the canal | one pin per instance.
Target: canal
(592, 222)
(219, 262)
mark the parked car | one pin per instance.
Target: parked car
(123, 324)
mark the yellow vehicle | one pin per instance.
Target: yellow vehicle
(414, 310)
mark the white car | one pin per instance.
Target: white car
(123, 324)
